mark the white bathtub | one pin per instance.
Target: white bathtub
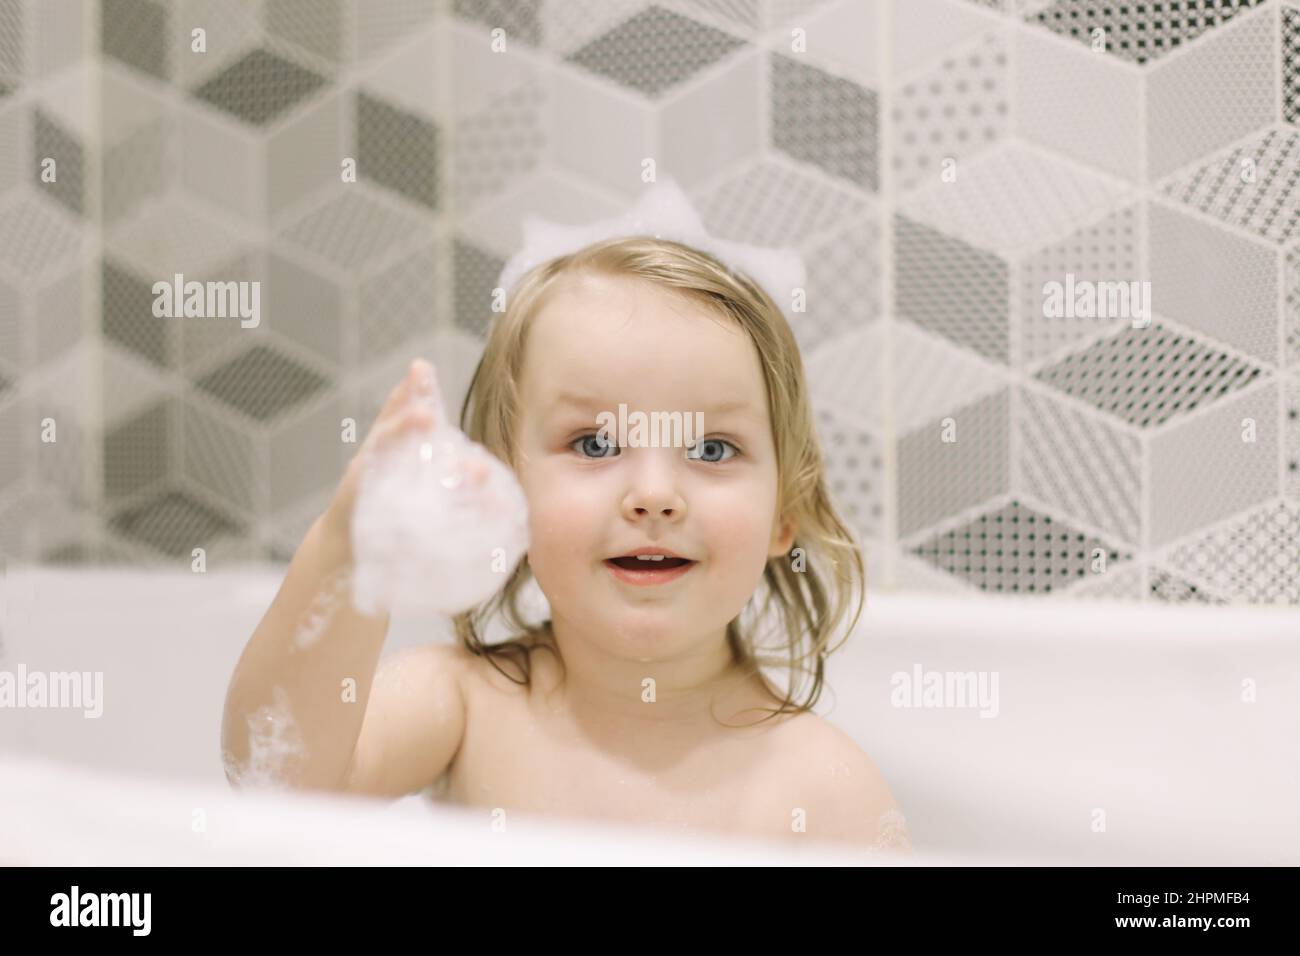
(1120, 736)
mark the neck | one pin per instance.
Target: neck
(702, 685)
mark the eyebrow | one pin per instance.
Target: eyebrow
(574, 400)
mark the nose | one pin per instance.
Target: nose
(653, 491)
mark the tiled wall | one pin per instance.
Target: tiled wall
(937, 162)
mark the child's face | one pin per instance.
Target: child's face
(615, 340)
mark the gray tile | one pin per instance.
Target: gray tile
(498, 145)
(475, 275)
(1251, 560)
(1139, 32)
(64, 465)
(128, 317)
(304, 306)
(16, 439)
(73, 553)
(952, 288)
(354, 228)
(1148, 376)
(261, 383)
(59, 318)
(1166, 588)
(52, 141)
(844, 285)
(314, 25)
(854, 472)
(1268, 207)
(173, 523)
(938, 479)
(519, 18)
(1291, 64)
(771, 205)
(135, 32)
(35, 238)
(825, 120)
(1100, 252)
(1018, 550)
(398, 304)
(655, 50)
(397, 150)
(1214, 281)
(136, 169)
(219, 457)
(136, 452)
(259, 86)
(12, 59)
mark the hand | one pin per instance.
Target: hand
(412, 405)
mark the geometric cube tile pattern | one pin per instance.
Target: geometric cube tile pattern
(368, 168)
(1138, 32)
(1148, 376)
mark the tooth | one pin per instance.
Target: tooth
(650, 557)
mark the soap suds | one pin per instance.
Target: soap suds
(439, 524)
(274, 744)
(318, 615)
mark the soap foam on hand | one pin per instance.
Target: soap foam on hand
(438, 525)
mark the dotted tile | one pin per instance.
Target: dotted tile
(949, 287)
(1148, 376)
(1291, 64)
(173, 523)
(957, 109)
(398, 150)
(1139, 32)
(261, 383)
(1255, 186)
(770, 205)
(1252, 560)
(259, 86)
(825, 120)
(1018, 550)
(520, 19)
(135, 33)
(654, 51)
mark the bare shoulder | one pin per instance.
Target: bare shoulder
(821, 771)
(414, 721)
(503, 669)
(413, 668)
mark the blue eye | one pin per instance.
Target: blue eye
(595, 448)
(710, 446)
(595, 443)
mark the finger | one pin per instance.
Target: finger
(405, 420)
(401, 392)
(425, 390)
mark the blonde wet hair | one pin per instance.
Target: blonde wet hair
(812, 605)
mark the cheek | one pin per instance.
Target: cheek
(560, 523)
(737, 526)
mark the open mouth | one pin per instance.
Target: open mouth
(659, 563)
(649, 571)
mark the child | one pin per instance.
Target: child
(642, 698)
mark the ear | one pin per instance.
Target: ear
(782, 538)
